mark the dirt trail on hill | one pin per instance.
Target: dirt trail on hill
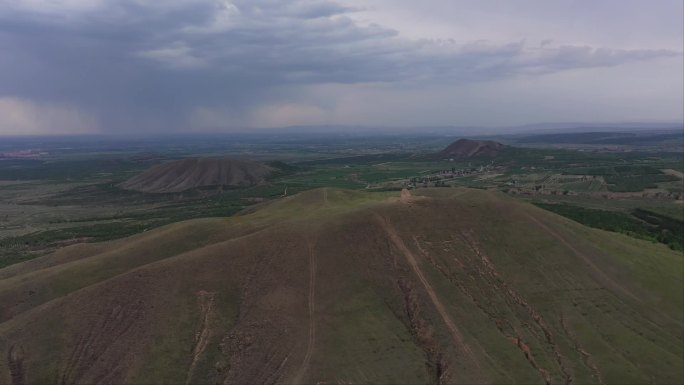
(413, 262)
(605, 278)
(405, 196)
(298, 379)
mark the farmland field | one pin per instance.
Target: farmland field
(71, 194)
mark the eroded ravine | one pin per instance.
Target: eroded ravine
(434, 298)
(490, 278)
(205, 301)
(15, 362)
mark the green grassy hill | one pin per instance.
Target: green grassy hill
(452, 286)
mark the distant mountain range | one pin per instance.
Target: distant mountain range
(11, 142)
(603, 138)
(467, 148)
(474, 130)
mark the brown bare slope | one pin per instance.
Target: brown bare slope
(451, 286)
(187, 174)
(467, 148)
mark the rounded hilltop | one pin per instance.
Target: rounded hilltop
(458, 287)
(187, 174)
(468, 148)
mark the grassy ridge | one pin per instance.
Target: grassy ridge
(450, 285)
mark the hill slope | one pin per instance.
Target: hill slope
(186, 174)
(467, 148)
(456, 286)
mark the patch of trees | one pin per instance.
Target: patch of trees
(639, 223)
(627, 178)
(671, 230)
(634, 183)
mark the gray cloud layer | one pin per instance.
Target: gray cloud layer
(136, 64)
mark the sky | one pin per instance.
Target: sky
(149, 66)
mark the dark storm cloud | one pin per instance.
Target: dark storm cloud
(148, 64)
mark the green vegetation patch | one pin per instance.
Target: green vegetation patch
(70, 170)
(635, 183)
(639, 223)
(627, 178)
